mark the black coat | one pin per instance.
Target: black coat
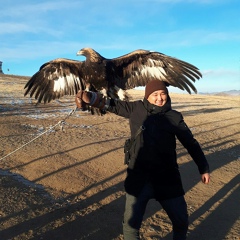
(153, 155)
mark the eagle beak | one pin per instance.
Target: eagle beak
(80, 52)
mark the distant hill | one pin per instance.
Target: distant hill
(224, 93)
(231, 92)
(11, 76)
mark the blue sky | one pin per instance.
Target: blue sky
(205, 33)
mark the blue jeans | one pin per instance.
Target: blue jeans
(176, 208)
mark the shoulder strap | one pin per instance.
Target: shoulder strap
(142, 128)
(129, 143)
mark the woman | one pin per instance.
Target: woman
(152, 169)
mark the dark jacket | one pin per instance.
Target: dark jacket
(153, 155)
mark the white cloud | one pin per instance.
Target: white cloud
(34, 50)
(8, 28)
(31, 8)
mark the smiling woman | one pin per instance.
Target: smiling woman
(153, 171)
(156, 93)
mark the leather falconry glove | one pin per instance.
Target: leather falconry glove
(94, 99)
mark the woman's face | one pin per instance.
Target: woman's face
(158, 98)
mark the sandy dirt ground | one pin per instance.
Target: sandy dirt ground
(63, 180)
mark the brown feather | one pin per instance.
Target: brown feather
(62, 76)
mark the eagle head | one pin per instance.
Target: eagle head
(90, 54)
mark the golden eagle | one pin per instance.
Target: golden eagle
(62, 76)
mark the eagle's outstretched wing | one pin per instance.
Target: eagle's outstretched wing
(61, 76)
(55, 79)
(140, 66)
